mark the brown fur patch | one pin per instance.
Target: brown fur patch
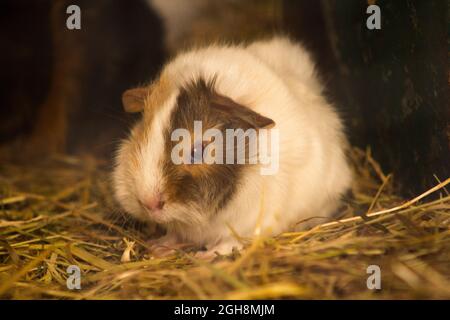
(153, 97)
(208, 186)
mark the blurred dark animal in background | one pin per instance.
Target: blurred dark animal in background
(61, 88)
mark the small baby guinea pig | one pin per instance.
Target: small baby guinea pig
(268, 85)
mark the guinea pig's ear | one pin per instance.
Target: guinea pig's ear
(133, 100)
(233, 109)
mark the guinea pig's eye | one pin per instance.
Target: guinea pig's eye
(197, 152)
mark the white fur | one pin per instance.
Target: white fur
(276, 78)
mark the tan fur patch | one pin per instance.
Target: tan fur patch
(159, 93)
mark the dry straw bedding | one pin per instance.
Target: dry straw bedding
(60, 212)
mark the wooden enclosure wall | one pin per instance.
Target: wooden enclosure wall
(392, 84)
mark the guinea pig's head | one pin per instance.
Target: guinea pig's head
(165, 177)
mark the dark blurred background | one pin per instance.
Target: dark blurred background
(60, 89)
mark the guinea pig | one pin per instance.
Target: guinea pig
(268, 85)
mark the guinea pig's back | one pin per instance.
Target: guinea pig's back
(287, 59)
(313, 167)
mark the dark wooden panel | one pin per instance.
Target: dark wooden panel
(391, 84)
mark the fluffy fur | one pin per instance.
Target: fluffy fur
(276, 79)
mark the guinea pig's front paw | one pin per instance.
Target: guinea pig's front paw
(221, 249)
(165, 246)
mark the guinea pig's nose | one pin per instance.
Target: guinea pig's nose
(155, 203)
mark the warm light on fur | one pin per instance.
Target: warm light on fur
(276, 79)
